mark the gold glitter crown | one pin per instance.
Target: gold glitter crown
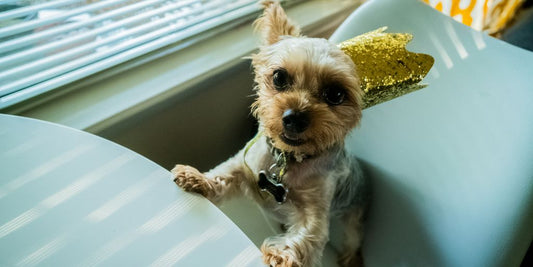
(386, 69)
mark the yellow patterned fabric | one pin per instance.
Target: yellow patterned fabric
(483, 15)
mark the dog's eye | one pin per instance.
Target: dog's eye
(281, 79)
(334, 95)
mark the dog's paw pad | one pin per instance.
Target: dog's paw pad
(275, 256)
(190, 179)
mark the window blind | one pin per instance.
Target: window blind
(47, 44)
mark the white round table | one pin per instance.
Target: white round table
(69, 198)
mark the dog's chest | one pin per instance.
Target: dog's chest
(300, 181)
(297, 179)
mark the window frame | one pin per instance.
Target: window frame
(105, 98)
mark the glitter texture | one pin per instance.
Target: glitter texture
(385, 67)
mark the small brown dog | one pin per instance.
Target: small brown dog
(296, 168)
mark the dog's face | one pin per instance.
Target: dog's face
(308, 95)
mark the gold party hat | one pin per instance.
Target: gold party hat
(386, 69)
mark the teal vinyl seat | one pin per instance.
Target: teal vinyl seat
(452, 164)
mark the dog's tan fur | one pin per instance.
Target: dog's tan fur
(323, 182)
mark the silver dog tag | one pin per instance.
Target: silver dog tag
(267, 182)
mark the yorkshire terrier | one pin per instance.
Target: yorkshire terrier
(308, 99)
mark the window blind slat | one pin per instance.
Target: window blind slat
(47, 73)
(26, 26)
(19, 12)
(111, 32)
(117, 59)
(38, 52)
(39, 36)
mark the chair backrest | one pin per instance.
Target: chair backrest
(451, 164)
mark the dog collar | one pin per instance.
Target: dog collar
(271, 180)
(290, 156)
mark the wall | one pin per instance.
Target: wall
(201, 127)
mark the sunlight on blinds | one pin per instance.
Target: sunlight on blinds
(47, 44)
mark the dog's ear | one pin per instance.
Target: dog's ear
(274, 23)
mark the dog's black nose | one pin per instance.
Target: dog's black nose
(295, 121)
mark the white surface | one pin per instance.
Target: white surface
(452, 164)
(68, 198)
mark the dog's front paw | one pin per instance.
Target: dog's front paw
(191, 180)
(279, 255)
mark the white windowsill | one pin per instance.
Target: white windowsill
(101, 100)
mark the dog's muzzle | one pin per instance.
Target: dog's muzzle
(295, 122)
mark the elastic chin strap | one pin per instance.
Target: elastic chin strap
(385, 67)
